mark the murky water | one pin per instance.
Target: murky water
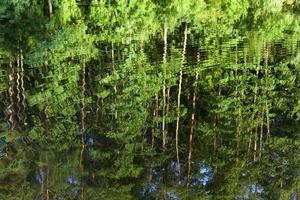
(205, 109)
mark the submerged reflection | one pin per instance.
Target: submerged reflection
(149, 100)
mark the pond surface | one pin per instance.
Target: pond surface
(150, 100)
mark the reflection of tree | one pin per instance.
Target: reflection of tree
(97, 73)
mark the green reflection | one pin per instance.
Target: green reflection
(178, 99)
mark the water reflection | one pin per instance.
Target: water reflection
(158, 102)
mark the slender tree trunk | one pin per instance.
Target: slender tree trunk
(22, 87)
(267, 74)
(254, 103)
(114, 73)
(154, 115)
(18, 90)
(193, 121)
(164, 85)
(255, 143)
(47, 191)
(82, 115)
(238, 117)
(50, 7)
(268, 121)
(261, 133)
(168, 102)
(42, 186)
(179, 93)
(250, 139)
(10, 107)
(150, 176)
(82, 124)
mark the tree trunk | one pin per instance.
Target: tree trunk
(192, 122)
(10, 107)
(179, 93)
(114, 73)
(50, 7)
(82, 115)
(164, 85)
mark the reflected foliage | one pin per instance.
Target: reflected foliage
(179, 99)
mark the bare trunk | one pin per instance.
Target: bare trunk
(268, 120)
(22, 87)
(18, 90)
(114, 73)
(266, 74)
(82, 124)
(192, 122)
(154, 114)
(261, 133)
(10, 107)
(164, 86)
(179, 93)
(50, 7)
(238, 118)
(82, 114)
(254, 103)
(250, 140)
(255, 144)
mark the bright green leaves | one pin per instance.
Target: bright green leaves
(123, 22)
(70, 42)
(66, 11)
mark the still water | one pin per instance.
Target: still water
(160, 102)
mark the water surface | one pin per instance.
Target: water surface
(149, 100)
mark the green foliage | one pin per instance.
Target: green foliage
(95, 87)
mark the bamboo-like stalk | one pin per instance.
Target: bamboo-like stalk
(179, 93)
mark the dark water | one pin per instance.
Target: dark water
(150, 105)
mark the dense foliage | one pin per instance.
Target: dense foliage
(118, 99)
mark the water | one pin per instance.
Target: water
(158, 102)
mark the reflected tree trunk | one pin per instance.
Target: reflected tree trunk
(238, 96)
(255, 114)
(22, 88)
(82, 123)
(164, 86)
(266, 75)
(154, 116)
(20, 95)
(261, 133)
(44, 173)
(10, 107)
(82, 115)
(193, 121)
(18, 89)
(255, 143)
(179, 92)
(50, 7)
(114, 73)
